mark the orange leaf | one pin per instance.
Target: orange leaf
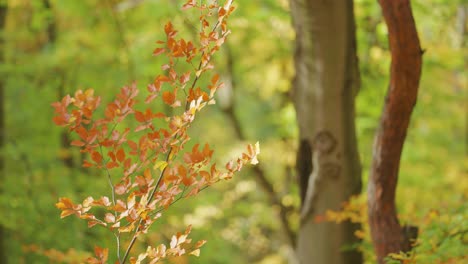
(139, 116)
(206, 175)
(87, 164)
(221, 12)
(215, 79)
(187, 181)
(77, 143)
(112, 164)
(66, 213)
(101, 253)
(64, 203)
(160, 79)
(168, 28)
(168, 98)
(158, 51)
(120, 155)
(96, 157)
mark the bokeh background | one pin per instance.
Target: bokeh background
(54, 47)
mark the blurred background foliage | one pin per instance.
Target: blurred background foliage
(55, 47)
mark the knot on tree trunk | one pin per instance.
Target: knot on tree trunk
(410, 234)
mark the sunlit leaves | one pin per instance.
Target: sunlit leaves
(101, 256)
(147, 164)
(179, 245)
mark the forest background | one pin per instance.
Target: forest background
(52, 48)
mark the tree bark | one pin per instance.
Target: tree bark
(324, 90)
(3, 15)
(405, 71)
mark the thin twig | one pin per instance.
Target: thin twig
(135, 235)
(259, 173)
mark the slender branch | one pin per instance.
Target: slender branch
(132, 242)
(116, 234)
(259, 173)
(460, 233)
(168, 157)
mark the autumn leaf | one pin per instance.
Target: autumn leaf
(168, 97)
(185, 78)
(120, 155)
(160, 165)
(158, 51)
(77, 143)
(109, 218)
(139, 116)
(195, 252)
(96, 157)
(138, 197)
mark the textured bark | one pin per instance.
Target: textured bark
(3, 14)
(386, 232)
(324, 91)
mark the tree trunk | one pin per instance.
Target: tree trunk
(386, 232)
(3, 14)
(324, 90)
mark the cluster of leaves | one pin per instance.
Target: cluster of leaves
(152, 172)
(442, 237)
(72, 256)
(354, 211)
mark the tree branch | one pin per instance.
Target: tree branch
(259, 173)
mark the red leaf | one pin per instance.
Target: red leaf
(96, 157)
(120, 155)
(158, 51)
(77, 143)
(87, 164)
(160, 79)
(101, 254)
(168, 98)
(139, 116)
(169, 29)
(112, 164)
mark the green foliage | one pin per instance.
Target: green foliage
(88, 52)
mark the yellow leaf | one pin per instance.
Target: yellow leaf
(128, 228)
(66, 213)
(160, 165)
(196, 252)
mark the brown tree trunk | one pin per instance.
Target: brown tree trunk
(325, 86)
(3, 14)
(386, 232)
